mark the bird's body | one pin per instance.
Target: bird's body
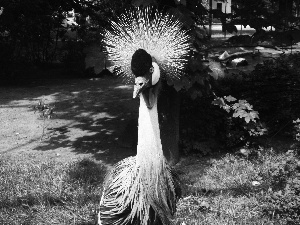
(147, 172)
(142, 190)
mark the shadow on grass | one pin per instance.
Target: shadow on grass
(91, 116)
(96, 130)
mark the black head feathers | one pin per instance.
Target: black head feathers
(141, 62)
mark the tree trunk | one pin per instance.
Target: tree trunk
(168, 114)
(210, 18)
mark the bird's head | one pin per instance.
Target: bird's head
(147, 76)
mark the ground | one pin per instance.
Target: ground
(89, 119)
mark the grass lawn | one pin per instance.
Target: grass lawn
(230, 189)
(233, 189)
(49, 192)
(59, 180)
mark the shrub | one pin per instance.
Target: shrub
(242, 121)
(234, 122)
(272, 89)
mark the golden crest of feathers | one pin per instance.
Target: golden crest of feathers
(161, 35)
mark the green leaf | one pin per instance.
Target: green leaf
(219, 101)
(254, 114)
(230, 98)
(247, 119)
(216, 70)
(178, 85)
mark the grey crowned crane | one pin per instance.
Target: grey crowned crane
(143, 190)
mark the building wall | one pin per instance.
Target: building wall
(226, 6)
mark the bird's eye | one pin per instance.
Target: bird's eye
(151, 69)
(141, 84)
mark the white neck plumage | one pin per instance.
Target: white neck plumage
(149, 144)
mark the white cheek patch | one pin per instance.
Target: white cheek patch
(155, 74)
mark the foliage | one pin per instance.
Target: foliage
(226, 120)
(31, 27)
(240, 109)
(263, 13)
(45, 110)
(272, 88)
(242, 121)
(34, 35)
(34, 32)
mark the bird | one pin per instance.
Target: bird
(145, 46)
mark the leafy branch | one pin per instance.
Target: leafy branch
(246, 122)
(45, 111)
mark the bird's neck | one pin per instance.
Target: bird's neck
(153, 183)
(149, 148)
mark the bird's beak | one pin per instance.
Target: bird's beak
(148, 80)
(143, 86)
(141, 83)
